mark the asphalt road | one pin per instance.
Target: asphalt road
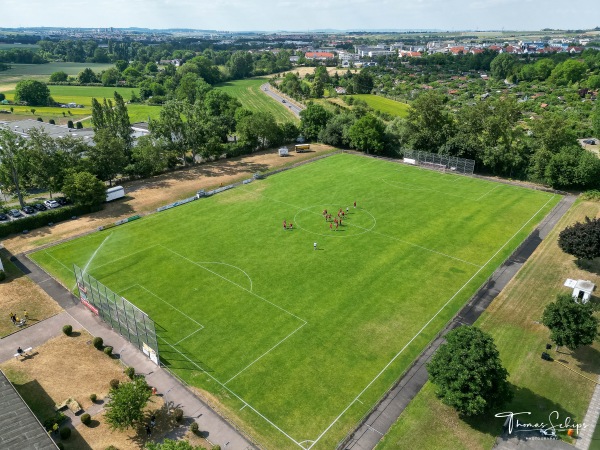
(293, 107)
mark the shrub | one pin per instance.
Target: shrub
(70, 124)
(60, 445)
(58, 418)
(216, 447)
(114, 383)
(67, 329)
(93, 398)
(42, 219)
(194, 427)
(79, 125)
(86, 419)
(178, 414)
(108, 350)
(130, 372)
(39, 119)
(52, 122)
(65, 433)
(111, 447)
(2, 275)
(593, 195)
(98, 342)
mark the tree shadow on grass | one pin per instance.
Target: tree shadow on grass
(589, 265)
(588, 359)
(527, 401)
(174, 360)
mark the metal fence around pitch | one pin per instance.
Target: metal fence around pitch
(436, 161)
(127, 319)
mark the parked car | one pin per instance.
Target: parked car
(282, 101)
(51, 204)
(62, 201)
(3, 216)
(39, 207)
(14, 213)
(589, 141)
(28, 210)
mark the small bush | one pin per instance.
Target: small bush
(86, 419)
(65, 433)
(108, 350)
(70, 123)
(178, 414)
(68, 329)
(111, 447)
(114, 383)
(98, 342)
(194, 427)
(93, 398)
(593, 195)
(130, 372)
(58, 418)
(79, 125)
(216, 447)
(39, 119)
(52, 122)
(60, 446)
(2, 275)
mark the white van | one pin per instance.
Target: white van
(114, 193)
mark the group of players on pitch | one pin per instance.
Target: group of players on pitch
(338, 221)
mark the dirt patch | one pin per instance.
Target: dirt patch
(19, 294)
(65, 367)
(144, 196)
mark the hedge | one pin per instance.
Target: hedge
(43, 218)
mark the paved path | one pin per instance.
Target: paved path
(385, 414)
(216, 429)
(590, 421)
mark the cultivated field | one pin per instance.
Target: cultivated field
(384, 104)
(249, 94)
(17, 72)
(298, 343)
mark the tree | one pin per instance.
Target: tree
(596, 120)
(259, 130)
(13, 150)
(367, 134)
(571, 324)
(87, 76)
(33, 92)
(83, 188)
(567, 72)
(313, 119)
(502, 65)
(429, 122)
(240, 65)
(108, 157)
(110, 77)
(362, 82)
(581, 240)
(127, 403)
(47, 162)
(468, 373)
(59, 77)
(149, 157)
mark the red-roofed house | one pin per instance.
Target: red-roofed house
(321, 56)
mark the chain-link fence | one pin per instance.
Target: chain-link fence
(130, 321)
(441, 162)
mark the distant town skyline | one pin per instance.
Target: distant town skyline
(260, 15)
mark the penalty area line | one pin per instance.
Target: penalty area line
(246, 404)
(427, 324)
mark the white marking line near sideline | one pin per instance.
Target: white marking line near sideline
(427, 324)
(235, 284)
(126, 256)
(233, 393)
(60, 262)
(376, 232)
(265, 353)
(488, 192)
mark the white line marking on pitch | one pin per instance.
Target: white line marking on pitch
(230, 265)
(233, 393)
(264, 354)
(234, 283)
(126, 256)
(488, 192)
(427, 324)
(175, 308)
(51, 256)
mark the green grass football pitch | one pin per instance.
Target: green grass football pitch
(300, 343)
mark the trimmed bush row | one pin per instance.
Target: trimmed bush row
(43, 218)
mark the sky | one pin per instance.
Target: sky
(303, 15)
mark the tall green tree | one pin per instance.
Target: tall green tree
(582, 239)
(367, 134)
(596, 120)
(240, 65)
(47, 161)
(83, 188)
(35, 93)
(108, 157)
(127, 403)
(13, 162)
(571, 324)
(502, 65)
(259, 130)
(429, 122)
(314, 118)
(468, 374)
